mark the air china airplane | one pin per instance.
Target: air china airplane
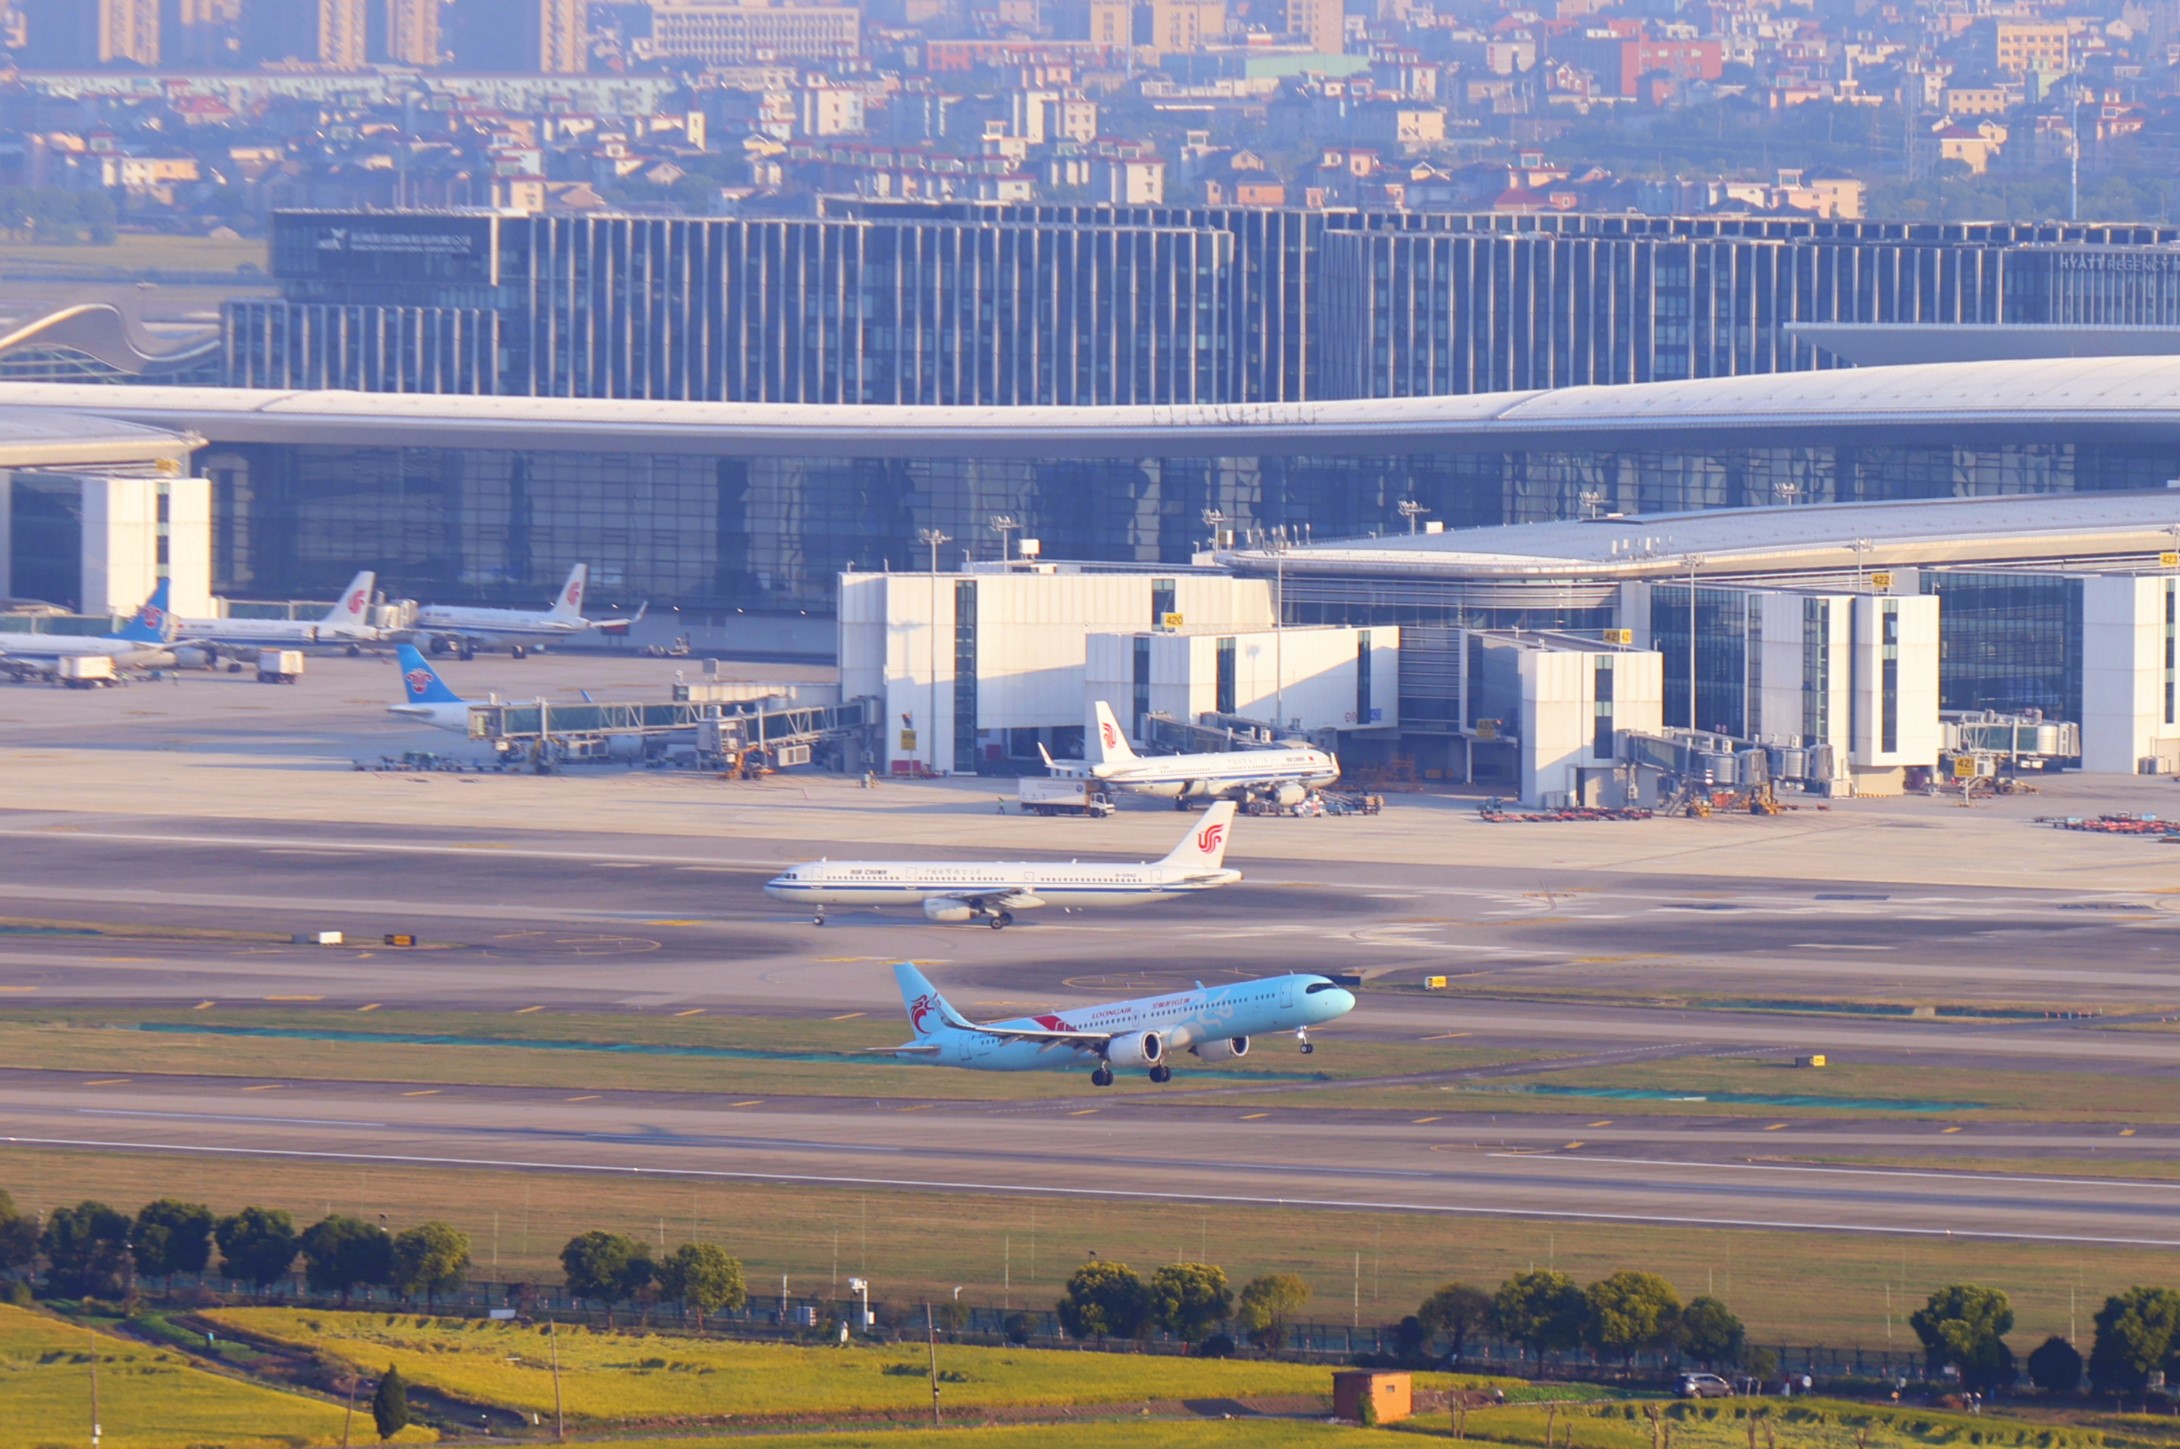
(1284, 775)
(465, 630)
(425, 697)
(994, 891)
(139, 644)
(347, 624)
(1212, 1024)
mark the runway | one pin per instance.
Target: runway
(1655, 1174)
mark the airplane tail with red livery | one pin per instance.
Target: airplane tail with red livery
(1108, 741)
(570, 603)
(1204, 847)
(928, 1011)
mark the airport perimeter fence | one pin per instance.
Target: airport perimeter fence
(806, 1318)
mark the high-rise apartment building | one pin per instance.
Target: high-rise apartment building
(67, 33)
(1181, 27)
(563, 46)
(411, 33)
(343, 33)
(729, 32)
(1323, 23)
(128, 30)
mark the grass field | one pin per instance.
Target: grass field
(1123, 1434)
(149, 1398)
(133, 255)
(1791, 1288)
(1789, 1424)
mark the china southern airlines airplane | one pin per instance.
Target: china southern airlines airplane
(139, 644)
(522, 630)
(425, 697)
(1212, 1024)
(994, 891)
(1284, 775)
(346, 624)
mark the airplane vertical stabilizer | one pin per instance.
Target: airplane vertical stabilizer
(420, 683)
(1109, 742)
(352, 610)
(1204, 847)
(927, 1010)
(148, 625)
(570, 603)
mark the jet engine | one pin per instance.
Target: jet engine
(1222, 1049)
(943, 910)
(1290, 794)
(1135, 1051)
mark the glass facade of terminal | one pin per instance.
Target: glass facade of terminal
(974, 304)
(2008, 641)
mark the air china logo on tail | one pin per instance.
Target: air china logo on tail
(418, 680)
(1208, 838)
(920, 1008)
(575, 595)
(355, 602)
(1112, 736)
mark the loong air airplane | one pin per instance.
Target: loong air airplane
(1212, 1024)
(1284, 775)
(139, 644)
(465, 630)
(346, 624)
(425, 696)
(994, 891)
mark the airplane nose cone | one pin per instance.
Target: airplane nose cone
(1339, 1003)
(778, 886)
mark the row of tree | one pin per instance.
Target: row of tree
(1964, 1326)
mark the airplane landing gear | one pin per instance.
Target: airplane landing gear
(518, 652)
(1102, 1077)
(819, 918)
(1002, 920)
(1161, 1073)
(1302, 1035)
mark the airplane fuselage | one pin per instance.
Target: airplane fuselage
(498, 624)
(1214, 1023)
(283, 633)
(910, 883)
(1201, 777)
(46, 650)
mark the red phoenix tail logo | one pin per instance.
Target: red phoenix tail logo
(1208, 838)
(575, 595)
(418, 680)
(920, 1008)
(1112, 736)
(355, 602)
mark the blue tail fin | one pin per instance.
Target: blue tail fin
(927, 1010)
(420, 683)
(148, 625)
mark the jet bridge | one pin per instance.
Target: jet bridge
(783, 731)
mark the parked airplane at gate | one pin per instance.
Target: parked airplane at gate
(465, 630)
(1284, 775)
(426, 697)
(1212, 1024)
(139, 644)
(347, 624)
(995, 891)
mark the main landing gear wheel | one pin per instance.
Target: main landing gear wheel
(1102, 1077)
(1003, 919)
(519, 652)
(1161, 1073)
(818, 919)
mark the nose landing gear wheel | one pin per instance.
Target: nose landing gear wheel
(1161, 1073)
(1102, 1077)
(818, 919)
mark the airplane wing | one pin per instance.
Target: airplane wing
(1027, 1033)
(622, 626)
(899, 1051)
(994, 900)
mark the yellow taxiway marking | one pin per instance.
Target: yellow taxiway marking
(266, 1087)
(204, 1005)
(1949, 1130)
(590, 1097)
(2126, 1131)
(1418, 1122)
(368, 1006)
(1256, 1116)
(18, 988)
(920, 1107)
(692, 1011)
(1776, 1127)
(1606, 1123)
(525, 1011)
(128, 960)
(847, 1016)
(1449, 1035)
(295, 998)
(752, 1102)
(673, 923)
(1085, 1112)
(1570, 1147)
(425, 1092)
(107, 1082)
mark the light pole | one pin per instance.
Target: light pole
(1005, 525)
(1411, 510)
(1593, 501)
(1787, 491)
(1279, 628)
(1694, 561)
(1862, 547)
(861, 1288)
(1214, 520)
(931, 538)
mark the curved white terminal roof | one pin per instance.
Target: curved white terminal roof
(45, 438)
(2111, 396)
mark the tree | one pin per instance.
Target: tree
(390, 1405)
(2136, 1333)
(429, 1258)
(1267, 1305)
(1966, 1326)
(704, 1279)
(342, 1254)
(1629, 1312)
(173, 1237)
(257, 1245)
(1105, 1300)
(1188, 1300)
(605, 1268)
(1541, 1310)
(1453, 1312)
(1710, 1333)
(86, 1249)
(18, 1236)
(2055, 1366)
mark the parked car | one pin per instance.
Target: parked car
(1703, 1386)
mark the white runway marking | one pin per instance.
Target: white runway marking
(229, 1117)
(1971, 1177)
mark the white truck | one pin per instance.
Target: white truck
(279, 666)
(1045, 795)
(85, 671)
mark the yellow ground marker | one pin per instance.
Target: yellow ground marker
(673, 923)
(107, 1082)
(1776, 1127)
(204, 1005)
(752, 1102)
(592, 1097)
(1256, 1116)
(295, 998)
(426, 1092)
(1606, 1123)
(19, 989)
(847, 1016)
(266, 1087)
(1418, 1122)
(1085, 1112)
(1948, 1131)
(919, 1107)
(692, 1011)
(525, 1011)
(1570, 1147)
(368, 1006)
(1449, 1035)
(2126, 1131)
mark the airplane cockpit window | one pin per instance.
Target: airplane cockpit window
(1316, 986)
